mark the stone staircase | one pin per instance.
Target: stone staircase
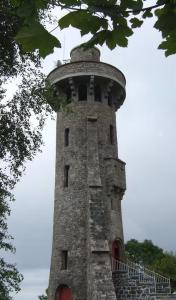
(133, 281)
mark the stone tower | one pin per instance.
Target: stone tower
(90, 179)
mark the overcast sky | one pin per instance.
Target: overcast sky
(146, 126)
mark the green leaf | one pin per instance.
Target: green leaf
(136, 22)
(147, 14)
(124, 30)
(41, 4)
(169, 46)
(84, 21)
(98, 38)
(159, 12)
(113, 42)
(35, 36)
(166, 22)
(120, 20)
(71, 2)
(120, 37)
(111, 38)
(100, 3)
(131, 4)
(161, 2)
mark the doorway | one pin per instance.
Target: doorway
(116, 250)
(63, 293)
(116, 254)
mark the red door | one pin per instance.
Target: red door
(116, 254)
(64, 294)
(116, 250)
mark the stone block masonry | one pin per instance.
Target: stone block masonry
(90, 179)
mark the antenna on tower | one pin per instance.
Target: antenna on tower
(65, 61)
(64, 48)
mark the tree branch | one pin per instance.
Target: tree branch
(143, 9)
(100, 9)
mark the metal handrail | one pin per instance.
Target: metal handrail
(143, 274)
(123, 267)
(158, 277)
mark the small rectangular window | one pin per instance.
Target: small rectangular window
(82, 92)
(111, 135)
(66, 173)
(64, 259)
(110, 99)
(97, 93)
(66, 137)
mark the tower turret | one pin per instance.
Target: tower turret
(90, 179)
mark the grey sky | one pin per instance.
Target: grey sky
(147, 143)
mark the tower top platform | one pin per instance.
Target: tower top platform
(86, 68)
(86, 62)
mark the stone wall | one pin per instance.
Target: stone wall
(87, 212)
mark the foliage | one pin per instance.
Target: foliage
(145, 253)
(12, 60)
(43, 297)
(153, 257)
(21, 122)
(22, 117)
(109, 21)
(166, 266)
(10, 279)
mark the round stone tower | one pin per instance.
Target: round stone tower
(90, 179)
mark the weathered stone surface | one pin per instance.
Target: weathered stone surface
(79, 54)
(132, 284)
(87, 213)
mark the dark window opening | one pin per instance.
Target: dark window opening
(110, 99)
(66, 137)
(55, 93)
(64, 258)
(111, 135)
(68, 94)
(66, 173)
(112, 204)
(97, 93)
(82, 92)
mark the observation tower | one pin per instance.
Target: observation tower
(90, 179)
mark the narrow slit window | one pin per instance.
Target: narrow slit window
(66, 137)
(111, 135)
(82, 92)
(64, 258)
(97, 93)
(68, 94)
(110, 99)
(66, 175)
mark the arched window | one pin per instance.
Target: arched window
(97, 93)
(66, 137)
(82, 92)
(111, 134)
(63, 292)
(66, 174)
